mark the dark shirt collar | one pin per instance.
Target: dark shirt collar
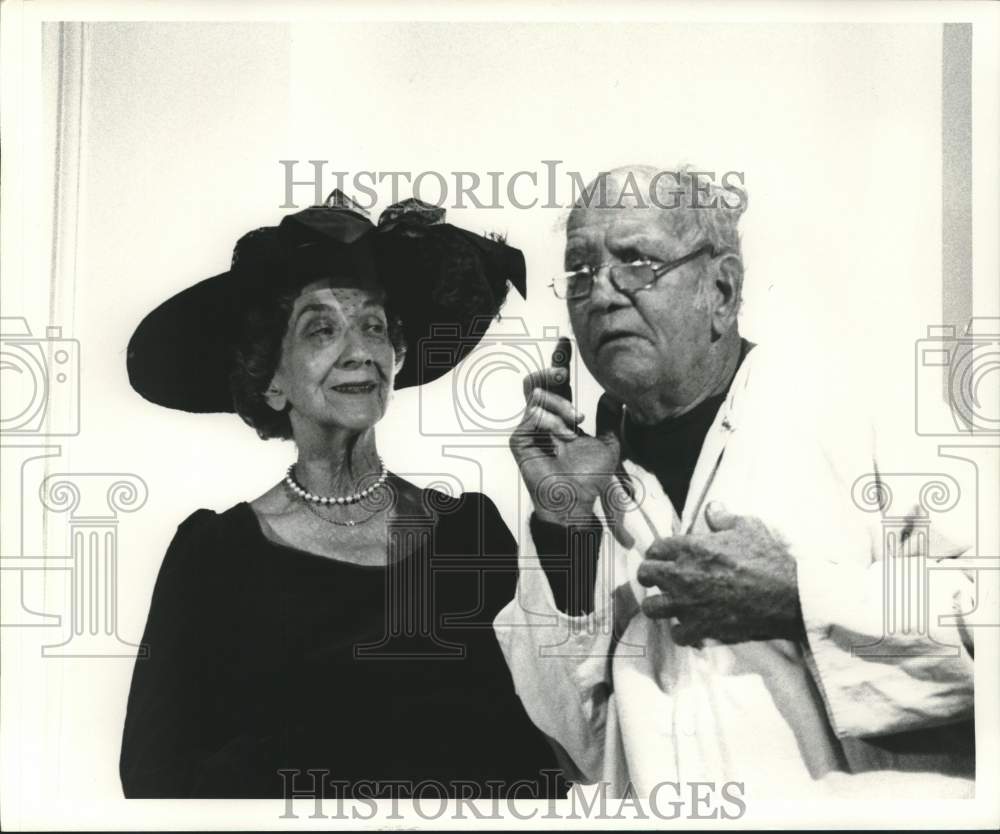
(670, 448)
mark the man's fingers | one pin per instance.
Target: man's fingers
(548, 379)
(686, 630)
(719, 518)
(538, 420)
(666, 550)
(559, 406)
(532, 433)
(661, 607)
(655, 573)
(688, 633)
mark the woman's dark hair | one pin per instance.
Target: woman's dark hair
(258, 353)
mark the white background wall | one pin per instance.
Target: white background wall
(836, 127)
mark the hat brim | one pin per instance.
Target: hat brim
(181, 354)
(447, 285)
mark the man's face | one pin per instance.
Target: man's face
(660, 336)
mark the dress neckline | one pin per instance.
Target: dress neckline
(255, 522)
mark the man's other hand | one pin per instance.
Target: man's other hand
(733, 584)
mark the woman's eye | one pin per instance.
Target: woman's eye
(377, 328)
(321, 328)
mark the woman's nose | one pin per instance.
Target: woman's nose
(356, 351)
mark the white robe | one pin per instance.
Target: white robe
(783, 718)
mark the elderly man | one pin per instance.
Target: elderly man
(701, 597)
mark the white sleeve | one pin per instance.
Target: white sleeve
(560, 663)
(889, 644)
(878, 676)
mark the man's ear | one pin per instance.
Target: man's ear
(275, 395)
(729, 289)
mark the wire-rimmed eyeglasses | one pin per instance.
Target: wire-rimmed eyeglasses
(626, 278)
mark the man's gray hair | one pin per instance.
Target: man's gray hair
(709, 208)
(705, 205)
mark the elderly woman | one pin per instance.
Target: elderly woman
(308, 629)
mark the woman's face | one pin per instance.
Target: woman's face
(337, 361)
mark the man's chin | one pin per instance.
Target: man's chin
(627, 358)
(628, 379)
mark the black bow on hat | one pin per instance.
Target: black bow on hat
(447, 284)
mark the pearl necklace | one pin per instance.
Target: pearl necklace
(354, 498)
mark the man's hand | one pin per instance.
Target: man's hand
(734, 584)
(563, 468)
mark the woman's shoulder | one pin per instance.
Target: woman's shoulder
(204, 520)
(203, 532)
(411, 499)
(474, 502)
(472, 519)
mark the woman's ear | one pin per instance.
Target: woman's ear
(275, 396)
(400, 359)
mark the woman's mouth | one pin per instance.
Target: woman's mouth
(355, 387)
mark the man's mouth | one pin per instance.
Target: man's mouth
(355, 387)
(612, 336)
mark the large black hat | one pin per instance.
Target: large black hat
(446, 283)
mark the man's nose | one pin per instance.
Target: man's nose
(603, 293)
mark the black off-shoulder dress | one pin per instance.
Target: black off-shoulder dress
(266, 662)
